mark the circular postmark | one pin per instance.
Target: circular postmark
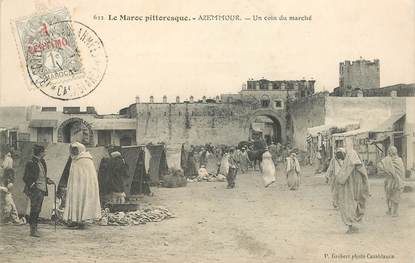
(66, 60)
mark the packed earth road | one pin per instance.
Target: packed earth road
(247, 224)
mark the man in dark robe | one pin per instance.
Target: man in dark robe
(233, 168)
(118, 174)
(184, 153)
(104, 180)
(191, 169)
(141, 179)
(203, 157)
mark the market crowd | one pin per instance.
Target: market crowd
(225, 162)
(79, 191)
(345, 172)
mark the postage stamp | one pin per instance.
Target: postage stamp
(64, 59)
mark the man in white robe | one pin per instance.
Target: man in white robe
(293, 171)
(334, 168)
(82, 197)
(268, 168)
(352, 187)
(393, 169)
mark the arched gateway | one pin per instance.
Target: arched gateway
(76, 129)
(270, 122)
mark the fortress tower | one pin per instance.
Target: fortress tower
(358, 75)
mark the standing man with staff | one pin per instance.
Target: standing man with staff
(36, 181)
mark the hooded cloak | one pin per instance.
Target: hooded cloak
(353, 188)
(82, 198)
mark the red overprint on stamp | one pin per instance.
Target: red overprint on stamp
(55, 43)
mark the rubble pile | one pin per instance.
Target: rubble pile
(139, 217)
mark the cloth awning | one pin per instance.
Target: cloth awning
(350, 133)
(43, 124)
(387, 125)
(114, 124)
(313, 131)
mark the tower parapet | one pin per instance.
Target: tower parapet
(360, 74)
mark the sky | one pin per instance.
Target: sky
(208, 58)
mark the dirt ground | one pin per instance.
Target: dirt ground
(247, 224)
